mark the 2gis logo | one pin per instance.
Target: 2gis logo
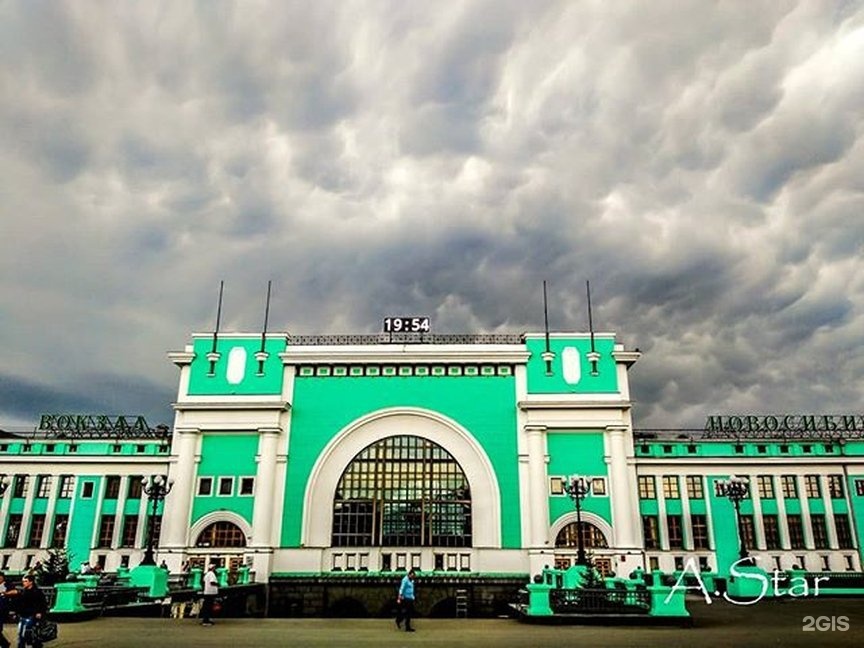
(825, 624)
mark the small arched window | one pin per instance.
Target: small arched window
(592, 537)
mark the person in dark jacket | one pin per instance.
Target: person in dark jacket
(32, 607)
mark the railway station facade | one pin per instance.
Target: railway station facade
(300, 455)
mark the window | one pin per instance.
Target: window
(205, 486)
(844, 531)
(765, 486)
(37, 529)
(13, 530)
(835, 486)
(556, 487)
(43, 490)
(796, 531)
(226, 485)
(676, 534)
(700, 531)
(647, 489)
(747, 530)
(402, 491)
(695, 488)
(651, 531)
(130, 530)
(112, 487)
(87, 489)
(820, 530)
(106, 531)
(58, 534)
(789, 486)
(221, 534)
(247, 485)
(135, 485)
(670, 487)
(859, 487)
(598, 486)
(20, 488)
(592, 537)
(811, 486)
(771, 525)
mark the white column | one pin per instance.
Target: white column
(758, 530)
(625, 508)
(805, 512)
(27, 516)
(48, 534)
(829, 512)
(265, 483)
(178, 504)
(537, 489)
(785, 543)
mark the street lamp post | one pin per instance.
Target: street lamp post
(735, 489)
(578, 488)
(156, 487)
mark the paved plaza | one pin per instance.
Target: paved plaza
(764, 624)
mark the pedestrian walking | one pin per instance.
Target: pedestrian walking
(32, 607)
(405, 602)
(211, 589)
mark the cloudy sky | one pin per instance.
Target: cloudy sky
(702, 163)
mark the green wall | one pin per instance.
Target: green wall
(484, 405)
(578, 452)
(226, 455)
(202, 382)
(539, 382)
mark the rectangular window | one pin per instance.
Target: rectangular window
(676, 533)
(58, 533)
(700, 531)
(135, 485)
(670, 487)
(130, 530)
(20, 488)
(796, 531)
(647, 489)
(13, 530)
(771, 525)
(87, 490)
(651, 531)
(556, 486)
(37, 528)
(226, 485)
(598, 486)
(765, 486)
(835, 486)
(790, 486)
(43, 490)
(820, 530)
(112, 487)
(106, 531)
(247, 485)
(811, 486)
(695, 487)
(747, 530)
(205, 486)
(859, 487)
(844, 531)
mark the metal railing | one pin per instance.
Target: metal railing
(599, 601)
(405, 338)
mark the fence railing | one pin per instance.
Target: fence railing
(599, 601)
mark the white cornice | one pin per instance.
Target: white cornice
(222, 405)
(181, 358)
(627, 357)
(573, 404)
(406, 354)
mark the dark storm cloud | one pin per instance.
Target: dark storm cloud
(699, 164)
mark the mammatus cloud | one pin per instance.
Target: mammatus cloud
(700, 164)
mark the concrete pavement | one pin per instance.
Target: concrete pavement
(767, 623)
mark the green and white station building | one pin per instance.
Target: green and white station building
(304, 455)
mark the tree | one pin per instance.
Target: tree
(55, 569)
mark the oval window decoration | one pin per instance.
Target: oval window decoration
(571, 362)
(236, 365)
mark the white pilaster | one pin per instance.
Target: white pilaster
(539, 508)
(625, 508)
(178, 504)
(805, 511)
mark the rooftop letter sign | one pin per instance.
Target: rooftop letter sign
(98, 426)
(785, 426)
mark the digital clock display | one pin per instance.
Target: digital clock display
(406, 325)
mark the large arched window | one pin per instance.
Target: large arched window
(592, 537)
(402, 491)
(221, 534)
